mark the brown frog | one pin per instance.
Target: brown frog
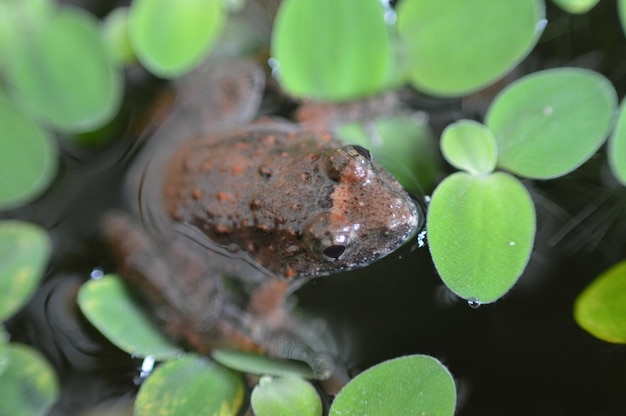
(236, 215)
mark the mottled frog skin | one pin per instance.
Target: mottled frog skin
(269, 203)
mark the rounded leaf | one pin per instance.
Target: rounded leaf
(110, 307)
(549, 123)
(116, 38)
(171, 37)
(411, 385)
(28, 157)
(600, 309)
(251, 363)
(621, 12)
(342, 54)
(28, 386)
(5, 349)
(617, 147)
(470, 146)
(576, 6)
(480, 233)
(192, 385)
(24, 253)
(285, 396)
(403, 144)
(455, 47)
(62, 74)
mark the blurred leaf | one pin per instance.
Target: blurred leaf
(600, 309)
(256, 364)
(28, 386)
(470, 146)
(576, 6)
(411, 385)
(5, 350)
(403, 144)
(621, 9)
(480, 233)
(617, 147)
(61, 73)
(111, 308)
(171, 37)
(456, 47)
(285, 396)
(192, 385)
(24, 253)
(116, 37)
(549, 123)
(28, 157)
(331, 50)
(18, 17)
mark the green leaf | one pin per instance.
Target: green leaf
(192, 385)
(256, 364)
(61, 73)
(285, 396)
(621, 9)
(576, 6)
(549, 123)
(116, 37)
(403, 144)
(480, 233)
(331, 50)
(470, 146)
(28, 157)
(455, 47)
(28, 386)
(110, 307)
(600, 309)
(5, 350)
(24, 253)
(617, 147)
(411, 385)
(171, 37)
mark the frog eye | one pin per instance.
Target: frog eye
(328, 236)
(362, 151)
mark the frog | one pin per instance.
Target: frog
(232, 212)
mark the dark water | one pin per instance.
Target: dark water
(523, 355)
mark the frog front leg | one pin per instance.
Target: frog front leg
(192, 304)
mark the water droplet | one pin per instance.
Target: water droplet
(541, 24)
(547, 110)
(421, 239)
(511, 243)
(473, 303)
(96, 273)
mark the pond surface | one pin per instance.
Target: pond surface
(523, 355)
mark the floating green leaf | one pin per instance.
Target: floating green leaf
(470, 146)
(480, 233)
(403, 144)
(576, 6)
(411, 385)
(261, 365)
(24, 252)
(111, 308)
(456, 47)
(549, 123)
(28, 386)
(5, 350)
(116, 38)
(171, 37)
(601, 308)
(621, 9)
(61, 73)
(285, 396)
(28, 157)
(331, 50)
(617, 147)
(192, 385)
